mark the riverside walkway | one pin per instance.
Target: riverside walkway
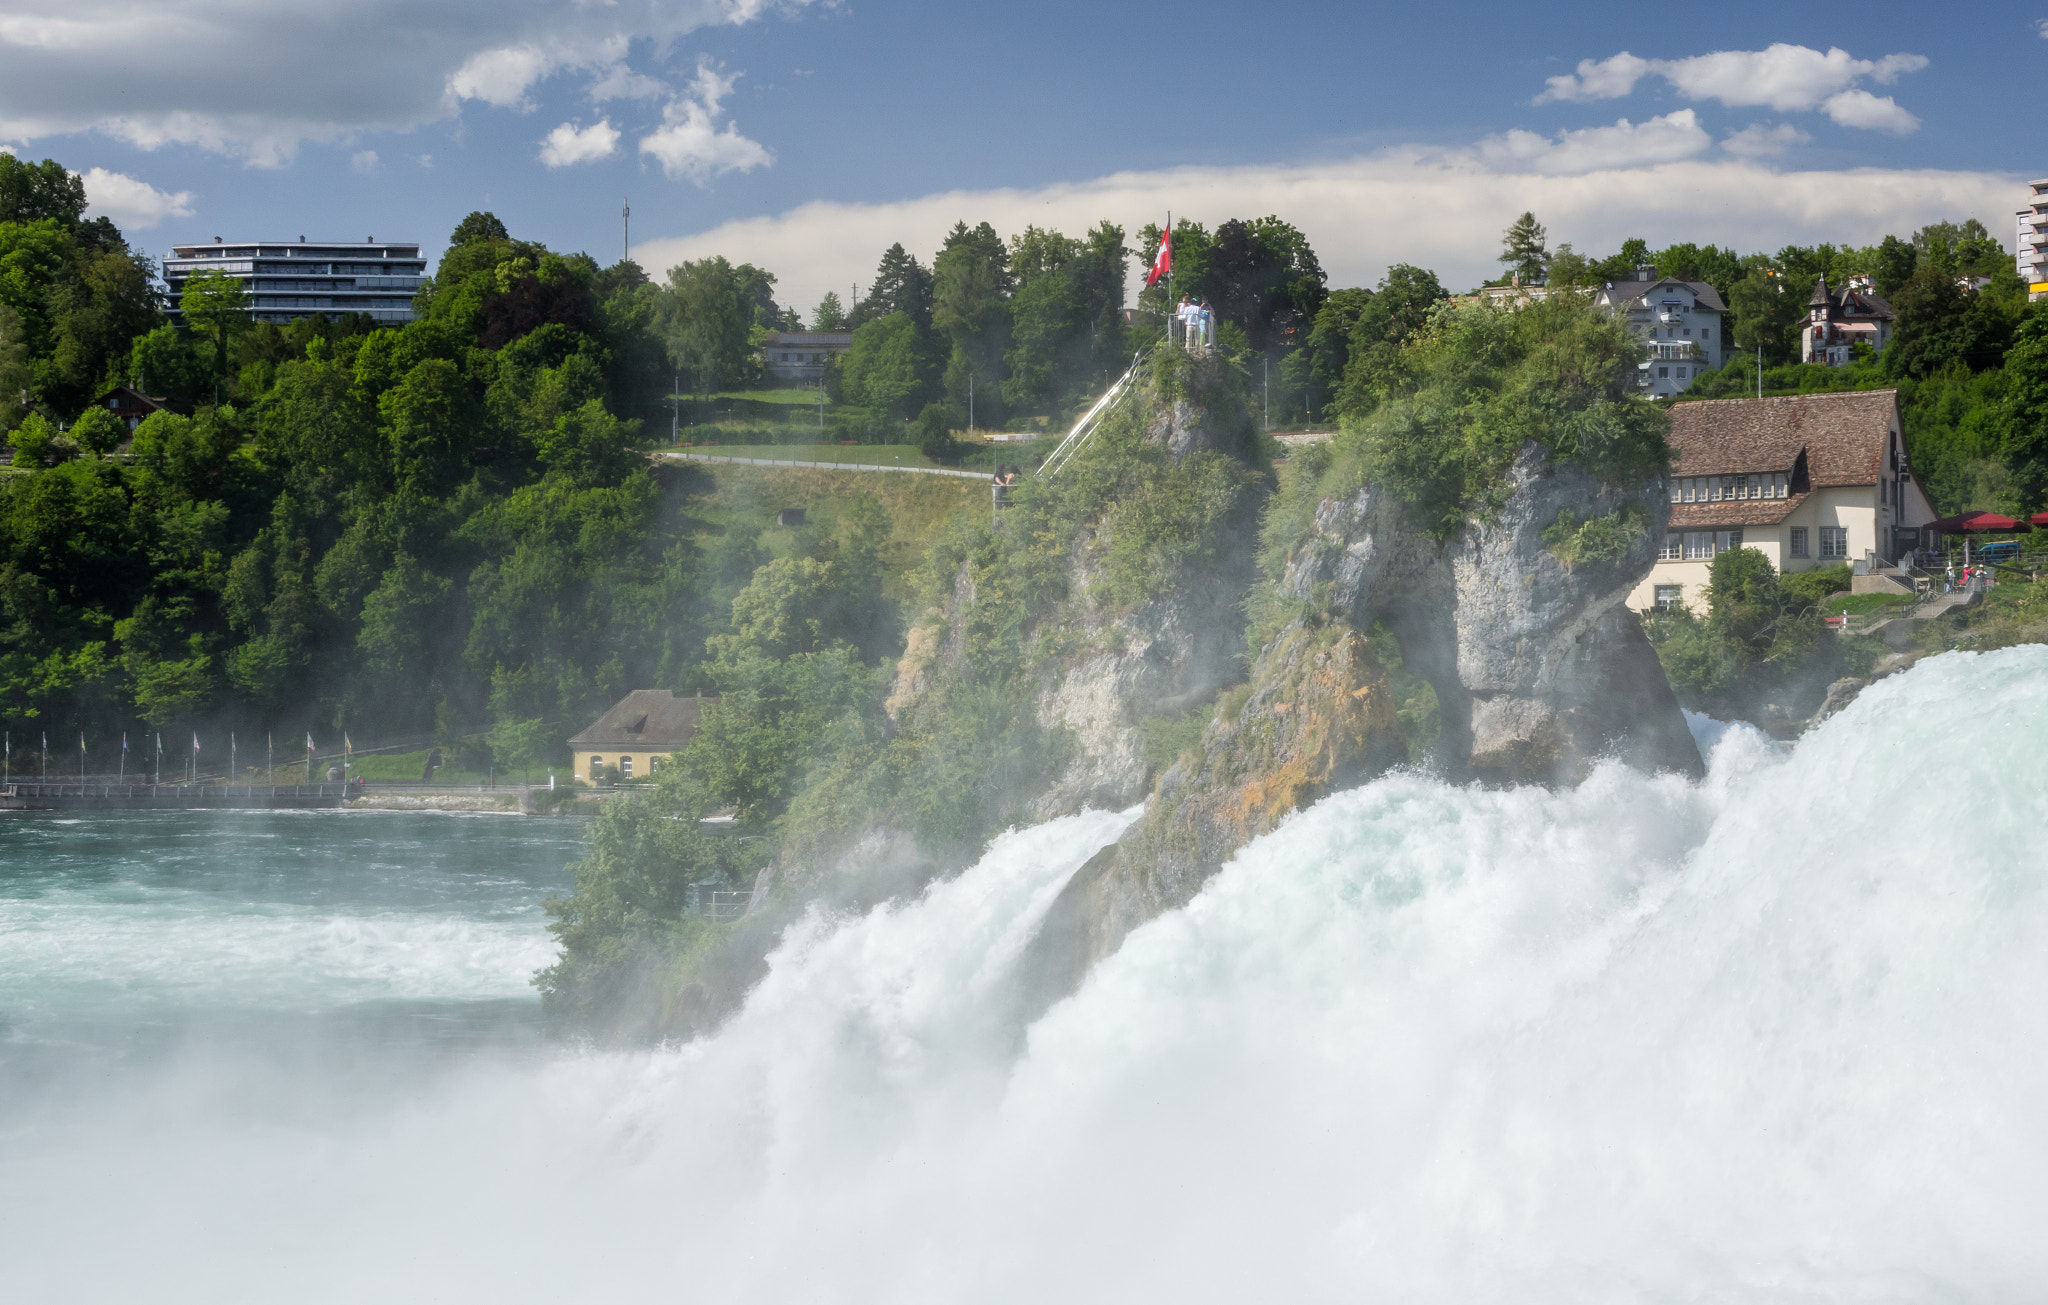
(46, 795)
(819, 465)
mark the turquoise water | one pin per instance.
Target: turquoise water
(325, 944)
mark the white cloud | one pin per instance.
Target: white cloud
(1782, 77)
(364, 161)
(1625, 144)
(1598, 79)
(1759, 141)
(1862, 109)
(690, 143)
(1437, 209)
(566, 145)
(131, 203)
(256, 81)
(619, 82)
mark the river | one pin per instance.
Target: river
(1774, 1035)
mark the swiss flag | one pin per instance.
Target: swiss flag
(1162, 264)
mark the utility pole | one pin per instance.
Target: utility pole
(1759, 371)
(1266, 403)
(626, 223)
(970, 402)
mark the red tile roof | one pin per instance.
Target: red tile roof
(1843, 435)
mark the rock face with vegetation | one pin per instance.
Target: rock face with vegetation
(1488, 582)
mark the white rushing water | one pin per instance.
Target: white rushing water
(1778, 1036)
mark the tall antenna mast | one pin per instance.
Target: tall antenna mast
(626, 221)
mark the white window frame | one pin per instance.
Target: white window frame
(1834, 543)
(625, 768)
(1668, 597)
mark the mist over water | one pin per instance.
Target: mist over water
(1778, 1035)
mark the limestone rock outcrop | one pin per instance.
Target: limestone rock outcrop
(1539, 671)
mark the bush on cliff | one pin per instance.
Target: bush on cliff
(1475, 385)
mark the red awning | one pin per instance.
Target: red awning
(2039, 518)
(1979, 523)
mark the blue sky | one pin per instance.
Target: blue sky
(806, 136)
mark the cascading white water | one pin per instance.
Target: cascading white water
(1779, 1035)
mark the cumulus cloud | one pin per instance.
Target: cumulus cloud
(1781, 77)
(566, 144)
(1871, 112)
(690, 143)
(1437, 209)
(364, 161)
(129, 202)
(1759, 141)
(1625, 144)
(257, 81)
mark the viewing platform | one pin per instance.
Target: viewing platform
(46, 795)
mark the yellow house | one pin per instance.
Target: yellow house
(639, 733)
(1808, 480)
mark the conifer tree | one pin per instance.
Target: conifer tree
(1523, 250)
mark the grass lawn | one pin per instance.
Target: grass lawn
(801, 398)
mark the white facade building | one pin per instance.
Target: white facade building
(1679, 321)
(2032, 241)
(794, 357)
(289, 280)
(1808, 480)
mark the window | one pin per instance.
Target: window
(596, 764)
(1727, 539)
(1799, 542)
(1699, 545)
(1834, 542)
(1672, 549)
(1779, 481)
(1664, 372)
(625, 768)
(1668, 596)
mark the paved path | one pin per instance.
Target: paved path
(984, 476)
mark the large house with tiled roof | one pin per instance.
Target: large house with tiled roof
(1809, 480)
(1839, 320)
(1679, 323)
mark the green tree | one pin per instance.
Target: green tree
(901, 285)
(714, 318)
(2024, 434)
(829, 315)
(40, 192)
(1523, 250)
(971, 312)
(215, 308)
(98, 431)
(1766, 314)
(1896, 262)
(478, 226)
(1405, 298)
(888, 368)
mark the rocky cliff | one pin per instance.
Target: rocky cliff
(1517, 625)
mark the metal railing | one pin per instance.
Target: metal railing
(1091, 420)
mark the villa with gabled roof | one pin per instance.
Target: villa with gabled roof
(1809, 480)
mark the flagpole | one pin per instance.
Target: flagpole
(124, 758)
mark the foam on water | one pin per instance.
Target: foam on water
(1778, 1035)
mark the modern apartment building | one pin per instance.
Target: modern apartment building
(290, 280)
(2033, 240)
(1679, 320)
